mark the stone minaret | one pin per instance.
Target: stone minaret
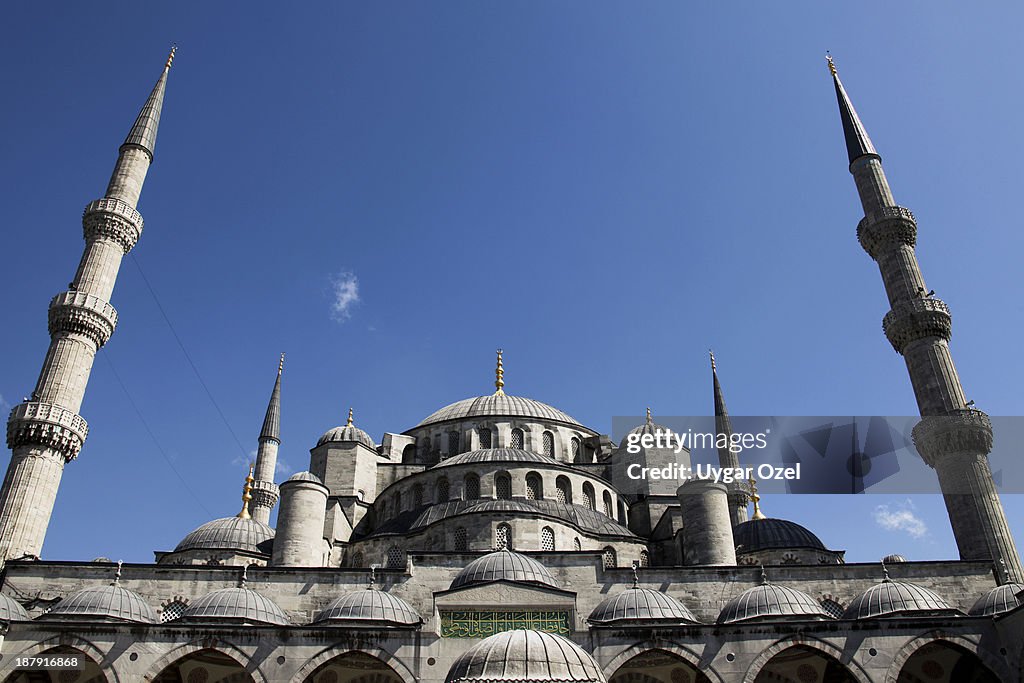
(46, 431)
(739, 496)
(264, 490)
(952, 437)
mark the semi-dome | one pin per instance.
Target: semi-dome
(11, 609)
(103, 602)
(895, 598)
(773, 534)
(230, 533)
(369, 607)
(998, 600)
(500, 405)
(511, 455)
(235, 605)
(525, 656)
(771, 601)
(640, 606)
(504, 565)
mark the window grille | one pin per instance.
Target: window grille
(547, 538)
(396, 558)
(549, 444)
(534, 487)
(609, 558)
(453, 443)
(503, 487)
(472, 487)
(461, 538)
(503, 537)
(485, 438)
(443, 491)
(173, 610)
(518, 438)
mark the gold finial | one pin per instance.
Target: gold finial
(170, 58)
(246, 495)
(712, 354)
(349, 423)
(499, 375)
(280, 365)
(831, 64)
(754, 496)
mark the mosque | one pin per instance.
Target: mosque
(489, 543)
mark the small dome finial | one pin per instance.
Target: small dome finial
(764, 576)
(280, 365)
(246, 495)
(649, 419)
(170, 58)
(712, 354)
(373, 577)
(244, 577)
(349, 422)
(499, 375)
(117, 576)
(756, 498)
(831, 64)
(636, 577)
(885, 573)
(1004, 573)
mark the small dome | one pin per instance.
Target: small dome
(369, 606)
(235, 604)
(769, 600)
(103, 602)
(305, 476)
(892, 598)
(893, 559)
(11, 609)
(774, 534)
(648, 427)
(640, 606)
(498, 455)
(525, 656)
(998, 600)
(347, 433)
(500, 405)
(504, 565)
(230, 533)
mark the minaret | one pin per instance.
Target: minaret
(264, 490)
(952, 437)
(46, 431)
(738, 495)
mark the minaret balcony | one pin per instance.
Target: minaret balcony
(264, 494)
(112, 219)
(962, 432)
(916, 319)
(885, 228)
(82, 313)
(47, 425)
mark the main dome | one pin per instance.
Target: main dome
(504, 565)
(499, 405)
(525, 656)
(764, 534)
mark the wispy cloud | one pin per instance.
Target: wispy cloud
(901, 518)
(4, 405)
(281, 468)
(345, 295)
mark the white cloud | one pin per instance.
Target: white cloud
(345, 295)
(4, 405)
(900, 518)
(282, 468)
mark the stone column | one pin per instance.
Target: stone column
(707, 524)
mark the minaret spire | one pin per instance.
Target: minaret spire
(738, 495)
(953, 437)
(46, 431)
(264, 491)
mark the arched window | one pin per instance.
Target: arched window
(610, 560)
(409, 454)
(471, 486)
(485, 437)
(503, 487)
(417, 496)
(173, 610)
(547, 538)
(563, 490)
(518, 438)
(575, 445)
(645, 558)
(576, 545)
(396, 558)
(503, 537)
(832, 607)
(357, 559)
(443, 490)
(453, 443)
(549, 444)
(461, 538)
(588, 495)
(360, 494)
(608, 507)
(534, 487)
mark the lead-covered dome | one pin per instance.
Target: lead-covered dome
(11, 609)
(771, 602)
(525, 656)
(369, 607)
(500, 405)
(504, 565)
(103, 603)
(511, 455)
(640, 606)
(230, 533)
(235, 605)
(998, 600)
(773, 534)
(890, 598)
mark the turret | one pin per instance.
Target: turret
(299, 541)
(264, 491)
(46, 431)
(953, 437)
(707, 527)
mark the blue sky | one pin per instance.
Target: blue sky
(603, 189)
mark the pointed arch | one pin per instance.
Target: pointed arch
(336, 651)
(994, 664)
(67, 643)
(242, 659)
(826, 649)
(682, 652)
